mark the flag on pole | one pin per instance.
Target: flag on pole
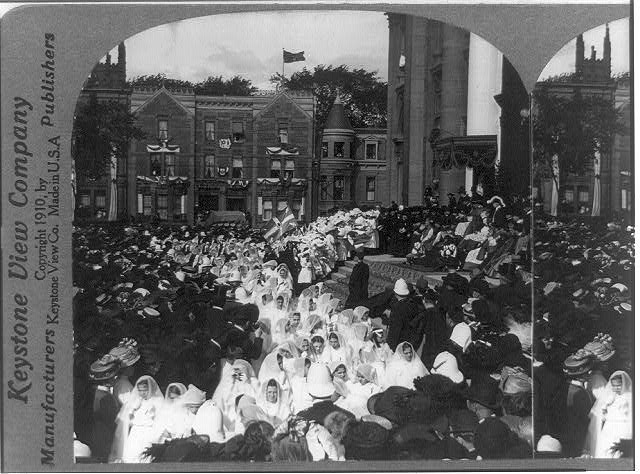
(287, 220)
(273, 230)
(288, 57)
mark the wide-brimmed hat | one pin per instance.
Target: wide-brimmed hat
(579, 363)
(483, 390)
(401, 288)
(496, 198)
(461, 335)
(126, 354)
(149, 312)
(104, 369)
(319, 382)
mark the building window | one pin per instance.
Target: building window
(163, 129)
(84, 200)
(179, 205)
(325, 149)
(297, 206)
(371, 150)
(209, 130)
(626, 199)
(209, 166)
(338, 188)
(371, 188)
(267, 210)
(283, 134)
(146, 204)
(169, 164)
(583, 195)
(237, 129)
(236, 172)
(156, 164)
(338, 149)
(289, 168)
(276, 168)
(101, 200)
(324, 188)
(161, 206)
(568, 195)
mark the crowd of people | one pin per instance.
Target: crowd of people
(205, 344)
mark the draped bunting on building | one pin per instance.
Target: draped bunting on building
(163, 148)
(293, 181)
(282, 151)
(476, 151)
(163, 179)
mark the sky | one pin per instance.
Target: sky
(250, 45)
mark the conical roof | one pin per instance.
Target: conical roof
(337, 119)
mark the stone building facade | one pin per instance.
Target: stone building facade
(352, 164)
(106, 83)
(207, 153)
(592, 77)
(451, 94)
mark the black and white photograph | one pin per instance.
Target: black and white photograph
(301, 236)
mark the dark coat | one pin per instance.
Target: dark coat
(403, 323)
(358, 285)
(105, 410)
(499, 218)
(319, 411)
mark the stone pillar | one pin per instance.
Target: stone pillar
(455, 42)
(485, 82)
(415, 104)
(392, 192)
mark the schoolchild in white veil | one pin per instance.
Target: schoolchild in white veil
(356, 392)
(404, 366)
(336, 350)
(284, 282)
(275, 402)
(376, 351)
(278, 365)
(239, 379)
(136, 430)
(611, 417)
(172, 420)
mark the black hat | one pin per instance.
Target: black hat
(483, 390)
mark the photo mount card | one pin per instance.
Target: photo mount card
(48, 51)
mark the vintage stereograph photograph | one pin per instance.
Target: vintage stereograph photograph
(267, 237)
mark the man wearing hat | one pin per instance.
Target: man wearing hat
(405, 313)
(322, 392)
(358, 282)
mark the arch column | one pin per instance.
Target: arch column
(485, 82)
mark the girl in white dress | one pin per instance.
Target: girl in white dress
(405, 365)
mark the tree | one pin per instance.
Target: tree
(574, 127)
(158, 80)
(364, 95)
(213, 85)
(100, 130)
(216, 85)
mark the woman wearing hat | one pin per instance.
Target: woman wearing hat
(404, 366)
(136, 429)
(105, 406)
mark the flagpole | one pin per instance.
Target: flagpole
(282, 63)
